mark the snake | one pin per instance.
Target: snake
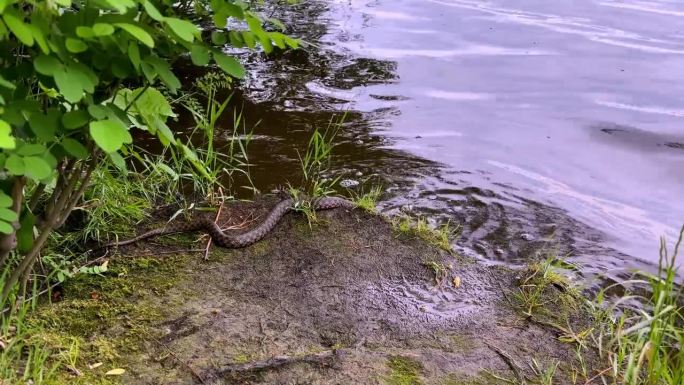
(222, 239)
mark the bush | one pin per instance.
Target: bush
(76, 77)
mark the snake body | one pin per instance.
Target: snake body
(241, 240)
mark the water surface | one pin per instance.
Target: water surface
(532, 124)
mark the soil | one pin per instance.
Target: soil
(345, 300)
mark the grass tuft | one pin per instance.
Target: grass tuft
(440, 236)
(368, 201)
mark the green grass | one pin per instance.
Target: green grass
(646, 345)
(23, 357)
(635, 345)
(419, 227)
(541, 285)
(316, 160)
(369, 200)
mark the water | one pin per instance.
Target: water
(534, 125)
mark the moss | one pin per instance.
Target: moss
(403, 371)
(106, 318)
(462, 343)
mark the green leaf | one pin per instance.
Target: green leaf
(138, 33)
(15, 164)
(236, 39)
(219, 38)
(3, 4)
(293, 43)
(44, 126)
(86, 76)
(39, 38)
(134, 54)
(47, 65)
(20, 29)
(103, 29)
(121, 5)
(200, 55)
(265, 42)
(97, 112)
(5, 200)
(118, 161)
(37, 168)
(255, 25)
(163, 69)
(163, 131)
(233, 10)
(28, 149)
(248, 38)
(75, 45)
(69, 85)
(279, 39)
(152, 10)
(6, 84)
(230, 65)
(183, 28)
(6, 228)
(74, 148)
(152, 102)
(85, 32)
(75, 119)
(8, 215)
(220, 19)
(110, 134)
(6, 139)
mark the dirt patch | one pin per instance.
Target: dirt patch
(345, 301)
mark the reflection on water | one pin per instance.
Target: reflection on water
(534, 126)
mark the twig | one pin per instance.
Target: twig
(276, 361)
(509, 361)
(185, 364)
(206, 249)
(600, 374)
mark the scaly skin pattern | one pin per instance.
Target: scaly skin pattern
(242, 240)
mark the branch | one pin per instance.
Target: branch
(76, 196)
(9, 241)
(29, 259)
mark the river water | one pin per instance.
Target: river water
(533, 125)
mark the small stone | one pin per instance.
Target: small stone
(527, 236)
(349, 183)
(359, 142)
(358, 174)
(432, 197)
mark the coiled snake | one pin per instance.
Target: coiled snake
(241, 240)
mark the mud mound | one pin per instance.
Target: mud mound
(345, 301)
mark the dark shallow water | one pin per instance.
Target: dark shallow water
(533, 124)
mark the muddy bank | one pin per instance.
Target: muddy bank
(347, 300)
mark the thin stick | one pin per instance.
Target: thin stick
(509, 361)
(277, 361)
(185, 364)
(206, 249)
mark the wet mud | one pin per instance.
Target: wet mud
(349, 289)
